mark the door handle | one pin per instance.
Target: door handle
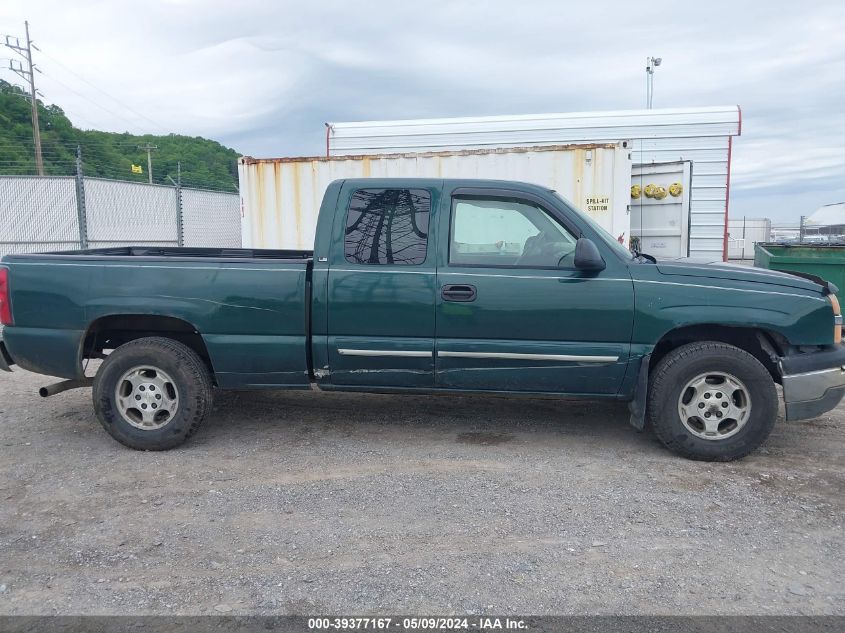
(458, 292)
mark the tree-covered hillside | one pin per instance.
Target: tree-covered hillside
(205, 163)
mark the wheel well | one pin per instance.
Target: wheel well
(110, 332)
(764, 345)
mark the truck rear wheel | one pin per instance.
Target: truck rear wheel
(711, 401)
(152, 393)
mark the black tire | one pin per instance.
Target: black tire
(189, 375)
(678, 368)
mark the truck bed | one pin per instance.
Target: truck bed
(250, 308)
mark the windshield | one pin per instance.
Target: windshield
(603, 234)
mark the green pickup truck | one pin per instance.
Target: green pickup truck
(424, 285)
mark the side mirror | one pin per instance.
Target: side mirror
(587, 256)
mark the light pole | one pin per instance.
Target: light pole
(650, 64)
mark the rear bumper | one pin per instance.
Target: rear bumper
(47, 351)
(6, 361)
(813, 383)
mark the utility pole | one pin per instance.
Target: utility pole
(149, 148)
(28, 75)
(650, 64)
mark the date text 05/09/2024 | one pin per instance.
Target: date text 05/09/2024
(417, 623)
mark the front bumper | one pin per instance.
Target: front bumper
(813, 383)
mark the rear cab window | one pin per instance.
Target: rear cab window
(387, 226)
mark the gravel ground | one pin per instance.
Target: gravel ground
(314, 503)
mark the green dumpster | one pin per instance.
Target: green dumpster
(825, 261)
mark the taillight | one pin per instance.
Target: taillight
(5, 302)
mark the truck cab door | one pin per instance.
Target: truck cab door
(381, 286)
(513, 312)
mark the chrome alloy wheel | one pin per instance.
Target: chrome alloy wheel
(147, 398)
(714, 406)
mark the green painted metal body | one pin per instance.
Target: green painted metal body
(528, 331)
(249, 313)
(827, 262)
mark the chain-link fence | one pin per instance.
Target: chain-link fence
(119, 213)
(38, 214)
(810, 234)
(210, 219)
(66, 212)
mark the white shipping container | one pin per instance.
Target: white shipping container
(703, 136)
(280, 197)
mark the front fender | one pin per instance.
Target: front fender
(802, 318)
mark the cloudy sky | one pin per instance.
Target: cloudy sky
(263, 76)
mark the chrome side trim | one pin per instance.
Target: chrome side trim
(515, 356)
(383, 352)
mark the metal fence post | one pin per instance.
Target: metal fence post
(180, 229)
(80, 201)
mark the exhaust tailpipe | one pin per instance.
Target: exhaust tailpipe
(65, 385)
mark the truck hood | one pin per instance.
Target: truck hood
(720, 270)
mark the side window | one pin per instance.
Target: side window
(387, 226)
(487, 232)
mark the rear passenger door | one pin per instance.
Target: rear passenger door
(381, 286)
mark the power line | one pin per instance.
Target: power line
(89, 99)
(14, 43)
(113, 98)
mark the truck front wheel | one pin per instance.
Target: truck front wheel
(711, 401)
(152, 393)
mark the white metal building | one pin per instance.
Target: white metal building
(828, 215)
(702, 136)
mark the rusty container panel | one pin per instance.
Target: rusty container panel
(280, 197)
